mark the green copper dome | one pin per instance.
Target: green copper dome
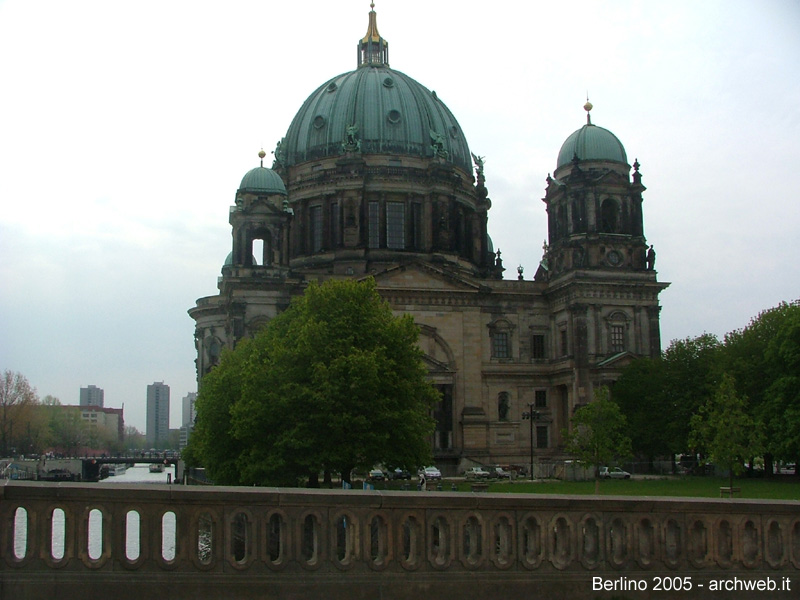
(591, 142)
(391, 114)
(263, 181)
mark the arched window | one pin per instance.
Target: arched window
(609, 216)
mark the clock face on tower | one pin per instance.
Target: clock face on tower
(614, 258)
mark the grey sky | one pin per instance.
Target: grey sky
(125, 129)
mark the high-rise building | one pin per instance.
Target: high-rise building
(374, 178)
(187, 409)
(92, 396)
(157, 415)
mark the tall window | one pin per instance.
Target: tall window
(500, 346)
(335, 232)
(542, 436)
(315, 219)
(617, 338)
(416, 226)
(395, 225)
(373, 225)
(564, 346)
(541, 398)
(537, 346)
(609, 216)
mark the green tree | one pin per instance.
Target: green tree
(724, 430)
(762, 358)
(598, 434)
(334, 383)
(675, 385)
(16, 399)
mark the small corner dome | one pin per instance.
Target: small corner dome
(591, 142)
(262, 180)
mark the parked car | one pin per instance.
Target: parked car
(376, 475)
(614, 473)
(400, 474)
(500, 473)
(477, 473)
(430, 473)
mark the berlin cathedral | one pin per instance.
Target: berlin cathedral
(374, 178)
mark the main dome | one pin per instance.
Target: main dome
(393, 113)
(376, 110)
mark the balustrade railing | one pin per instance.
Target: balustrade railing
(53, 534)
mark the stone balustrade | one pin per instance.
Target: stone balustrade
(87, 541)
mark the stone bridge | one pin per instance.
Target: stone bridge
(137, 542)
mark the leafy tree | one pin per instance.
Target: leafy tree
(762, 358)
(16, 397)
(640, 394)
(725, 431)
(334, 383)
(781, 407)
(675, 385)
(598, 433)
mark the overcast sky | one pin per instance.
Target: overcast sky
(125, 128)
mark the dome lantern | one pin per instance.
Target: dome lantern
(373, 50)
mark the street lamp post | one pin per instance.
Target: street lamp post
(531, 415)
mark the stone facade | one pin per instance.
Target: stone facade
(415, 218)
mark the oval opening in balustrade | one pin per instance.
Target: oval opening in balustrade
(20, 533)
(205, 538)
(724, 541)
(774, 545)
(343, 531)
(531, 540)
(502, 540)
(412, 541)
(133, 540)
(591, 541)
(239, 527)
(672, 541)
(378, 540)
(58, 534)
(562, 548)
(168, 536)
(440, 541)
(309, 547)
(275, 538)
(618, 538)
(473, 540)
(95, 532)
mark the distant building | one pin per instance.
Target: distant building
(157, 415)
(187, 409)
(110, 419)
(92, 396)
(187, 418)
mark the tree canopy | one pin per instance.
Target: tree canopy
(599, 432)
(724, 431)
(335, 382)
(763, 363)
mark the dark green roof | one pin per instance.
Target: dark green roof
(591, 142)
(262, 180)
(394, 114)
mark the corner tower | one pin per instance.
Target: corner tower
(601, 277)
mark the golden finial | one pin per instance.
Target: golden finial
(588, 107)
(261, 155)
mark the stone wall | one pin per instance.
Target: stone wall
(217, 542)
